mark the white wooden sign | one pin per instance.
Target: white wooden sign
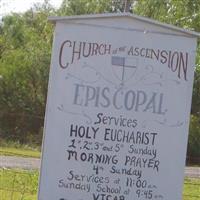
(118, 109)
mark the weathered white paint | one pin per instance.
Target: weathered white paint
(144, 92)
(114, 17)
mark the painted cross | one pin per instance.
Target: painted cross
(127, 67)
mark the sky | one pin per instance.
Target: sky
(7, 6)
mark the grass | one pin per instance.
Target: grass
(18, 184)
(11, 148)
(11, 151)
(23, 185)
(191, 189)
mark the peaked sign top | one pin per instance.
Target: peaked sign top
(80, 18)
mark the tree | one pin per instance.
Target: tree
(78, 7)
(185, 14)
(194, 140)
(25, 41)
(25, 48)
(196, 87)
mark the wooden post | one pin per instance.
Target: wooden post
(127, 5)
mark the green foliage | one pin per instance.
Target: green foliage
(22, 184)
(191, 189)
(194, 138)
(25, 48)
(25, 42)
(78, 7)
(196, 89)
(185, 14)
(14, 148)
(6, 151)
(18, 184)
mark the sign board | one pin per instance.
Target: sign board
(118, 109)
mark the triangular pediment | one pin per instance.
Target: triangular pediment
(126, 21)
